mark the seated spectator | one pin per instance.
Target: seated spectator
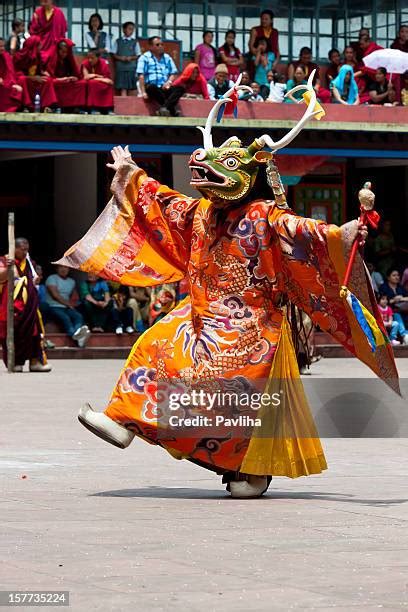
(49, 23)
(60, 289)
(12, 95)
(361, 80)
(333, 67)
(32, 75)
(376, 278)
(231, 56)
(70, 89)
(121, 314)
(384, 247)
(299, 78)
(404, 89)
(398, 300)
(96, 37)
(17, 37)
(392, 327)
(344, 87)
(125, 51)
(305, 60)
(255, 96)
(157, 71)
(193, 83)
(266, 31)
(355, 45)
(401, 41)
(139, 302)
(95, 70)
(263, 60)
(380, 88)
(96, 301)
(277, 88)
(220, 83)
(367, 47)
(245, 78)
(205, 55)
(350, 59)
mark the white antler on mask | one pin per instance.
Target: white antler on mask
(266, 140)
(208, 141)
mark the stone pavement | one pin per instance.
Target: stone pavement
(136, 530)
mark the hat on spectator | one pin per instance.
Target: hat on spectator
(221, 68)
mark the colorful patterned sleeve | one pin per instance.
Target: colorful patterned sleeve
(313, 257)
(143, 236)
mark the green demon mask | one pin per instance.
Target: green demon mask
(229, 172)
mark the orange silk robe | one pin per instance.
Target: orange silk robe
(242, 262)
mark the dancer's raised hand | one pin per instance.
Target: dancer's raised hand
(119, 155)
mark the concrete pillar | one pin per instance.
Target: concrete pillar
(75, 201)
(182, 175)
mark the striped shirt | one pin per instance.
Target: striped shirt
(155, 71)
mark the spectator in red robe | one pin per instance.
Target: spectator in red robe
(30, 71)
(70, 88)
(192, 82)
(96, 71)
(49, 23)
(401, 42)
(333, 67)
(12, 95)
(267, 31)
(305, 60)
(355, 44)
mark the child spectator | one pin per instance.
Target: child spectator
(125, 51)
(17, 37)
(192, 82)
(398, 300)
(277, 88)
(376, 278)
(263, 60)
(390, 325)
(255, 96)
(334, 66)
(220, 84)
(299, 78)
(404, 90)
(205, 55)
(121, 314)
(96, 301)
(231, 56)
(344, 87)
(96, 38)
(96, 72)
(163, 300)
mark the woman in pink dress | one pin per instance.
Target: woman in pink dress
(205, 55)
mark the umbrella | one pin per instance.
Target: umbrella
(393, 60)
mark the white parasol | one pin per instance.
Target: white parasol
(393, 60)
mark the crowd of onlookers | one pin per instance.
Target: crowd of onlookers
(39, 71)
(390, 282)
(94, 305)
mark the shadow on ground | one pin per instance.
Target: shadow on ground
(187, 493)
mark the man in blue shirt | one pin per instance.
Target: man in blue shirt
(157, 71)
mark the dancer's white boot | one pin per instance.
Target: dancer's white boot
(254, 486)
(104, 427)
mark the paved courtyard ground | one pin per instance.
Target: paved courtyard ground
(136, 530)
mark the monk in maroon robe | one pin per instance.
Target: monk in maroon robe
(30, 70)
(49, 23)
(96, 72)
(13, 95)
(70, 88)
(28, 328)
